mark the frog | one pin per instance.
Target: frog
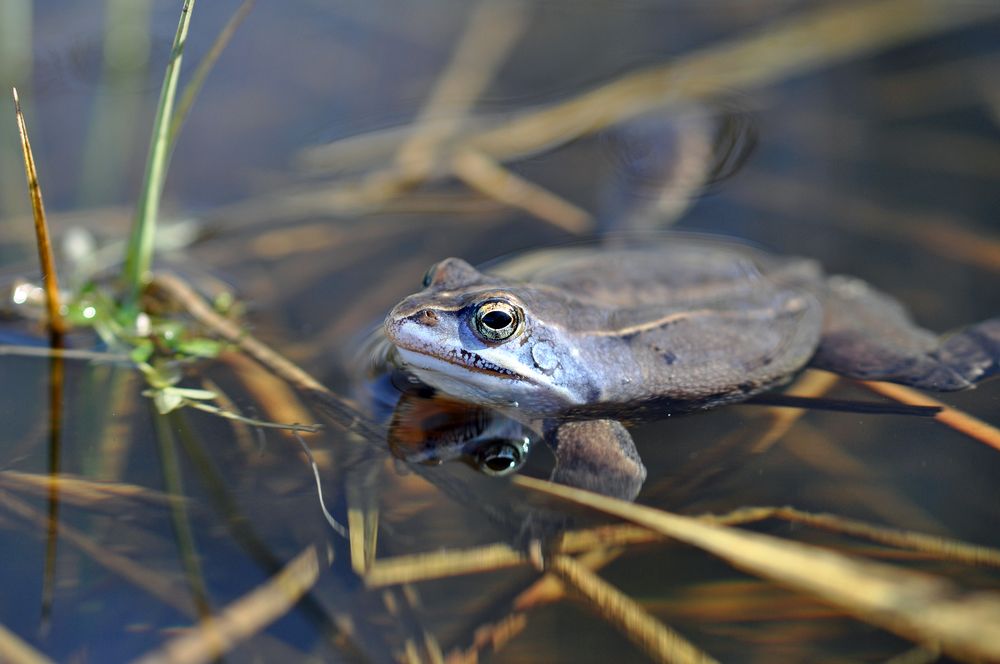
(577, 338)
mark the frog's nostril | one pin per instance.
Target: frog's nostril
(426, 317)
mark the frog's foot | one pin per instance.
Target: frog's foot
(596, 455)
(869, 335)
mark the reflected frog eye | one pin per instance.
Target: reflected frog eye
(429, 275)
(500, 457)
(497, 320)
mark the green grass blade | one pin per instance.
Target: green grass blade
(139, 254)
(204, 67)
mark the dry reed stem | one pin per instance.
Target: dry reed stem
(941, 547)
(493, 557)
(45, 258)
(362, 526)
(913, 605)
(810, 384)
(279, 403)
(821, 37)
(14, 650)
(491, 31)
(739, 600)
(811, 39)
(78, 490)
(150, 581)
(340, 410)
(218, 634)
(549, 588)
(485, 175)
(951, 417)
(440, 564)
(659, 641)
(496, 635)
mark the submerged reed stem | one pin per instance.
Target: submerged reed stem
(49, 279)
(139, 255)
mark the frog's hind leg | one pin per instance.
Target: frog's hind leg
(869, 335)
(596, 455)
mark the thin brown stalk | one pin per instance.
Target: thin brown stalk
(495, 636)
(486, 175)
(491, 31)
(340, 410)
(278, 402)
(245, 617)
(949, 416)
(661, 642)
(421, 567)
(491, 557)
(805, 41)
(940, 547)
(362, 523)
(920, 607)
(45, 257)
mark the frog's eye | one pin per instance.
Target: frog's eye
(501, 457)
(497, 320)
(429, 275)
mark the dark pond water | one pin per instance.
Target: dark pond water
(878, 155)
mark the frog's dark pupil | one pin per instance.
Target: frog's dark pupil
(501, 457)
(497, 320)
(497, 464)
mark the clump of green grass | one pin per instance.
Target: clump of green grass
(157, 344)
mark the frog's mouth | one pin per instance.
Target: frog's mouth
(464, 359)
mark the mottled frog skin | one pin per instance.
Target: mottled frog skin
(686, 323)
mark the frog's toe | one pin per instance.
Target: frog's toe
(599, 456)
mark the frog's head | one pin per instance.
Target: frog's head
(484, 339)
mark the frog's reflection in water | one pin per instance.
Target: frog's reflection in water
(429, 429)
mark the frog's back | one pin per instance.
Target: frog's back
(681, 271)
(689, 320)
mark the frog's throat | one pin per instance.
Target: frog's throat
(463, 359)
